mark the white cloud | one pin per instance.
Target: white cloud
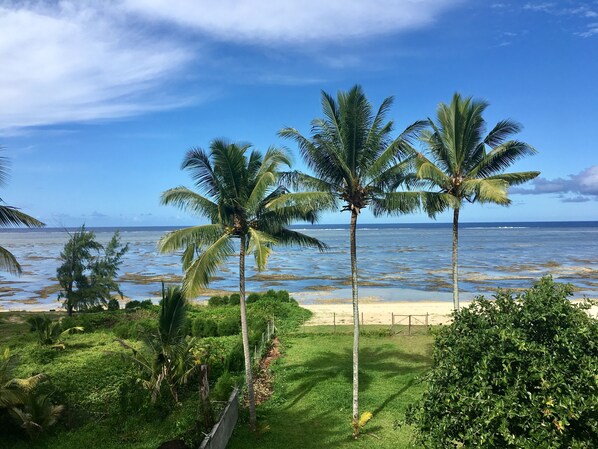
(84, 60)
(74, 63)
(591, 30)
(276, 22)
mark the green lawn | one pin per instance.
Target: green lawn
(311, 406)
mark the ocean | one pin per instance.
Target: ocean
(396, 262)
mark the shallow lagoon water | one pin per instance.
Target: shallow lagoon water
(395, 262)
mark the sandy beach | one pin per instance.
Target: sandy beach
(381, 312)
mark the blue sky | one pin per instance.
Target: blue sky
(100, 103)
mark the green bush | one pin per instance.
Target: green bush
(216, 301)
(91, 321)
(234, 299)
(229, 326)
(235, 361)
(224, 386)
(253, 297)
(204, 327)
(113, 304)
(516, 372)
(134, 304)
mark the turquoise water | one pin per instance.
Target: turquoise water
(395, 262)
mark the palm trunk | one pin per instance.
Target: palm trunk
(455, 256)
(245, 334)
(355, 323)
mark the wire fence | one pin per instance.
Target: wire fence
(408, 324)
(264, 343)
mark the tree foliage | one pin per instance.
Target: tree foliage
(49, 331)
(239, 191)
(520, 371)
(10, 217)
(87, 276)
(465, 164)
(168, 358)
(356, 164)
(31, 409)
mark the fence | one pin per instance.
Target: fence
(258, 349)
(222, 431)
(408, 324)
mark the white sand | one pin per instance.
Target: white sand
(380, 312)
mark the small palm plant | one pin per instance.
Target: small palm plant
(50, 331)
(34, 411)
(466, 166)
(239, 193)
(168, 358)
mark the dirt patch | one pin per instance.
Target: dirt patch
(264, 381)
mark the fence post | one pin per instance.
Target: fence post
(392, 322)
(362, 323)
(409, 324)
(334, 321)
(427, 319)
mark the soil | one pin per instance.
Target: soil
(264, 382)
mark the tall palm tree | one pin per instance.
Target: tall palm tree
(11, 216)
(467, 166)
(238, 191)
(355, 160)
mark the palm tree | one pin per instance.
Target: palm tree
(11, 216)
(468, 166)
(355, 160)
(239, 193)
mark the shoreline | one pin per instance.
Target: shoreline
(341, 313)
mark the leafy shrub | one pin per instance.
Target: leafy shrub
(216, 301)
(253, 297)
(234, 299)
(204, 327)
(134, 304)
(516, 372)
(235, 361)
(91, 321)
(113, 304)
(229, 326)
(224, 386)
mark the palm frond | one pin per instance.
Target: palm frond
(8, 262)
(190, 201)
(486, 191)
(260, 246)
(396, 203)
(204, 266)
(11, 216)
(195, 236)
(171, 319)
(289, 237)
(516, 178)
(501, 131)
(502, 157)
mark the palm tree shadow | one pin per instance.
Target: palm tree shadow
(374, 363)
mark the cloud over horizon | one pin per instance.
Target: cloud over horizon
(583, 185)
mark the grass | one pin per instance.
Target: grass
(311, 405)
